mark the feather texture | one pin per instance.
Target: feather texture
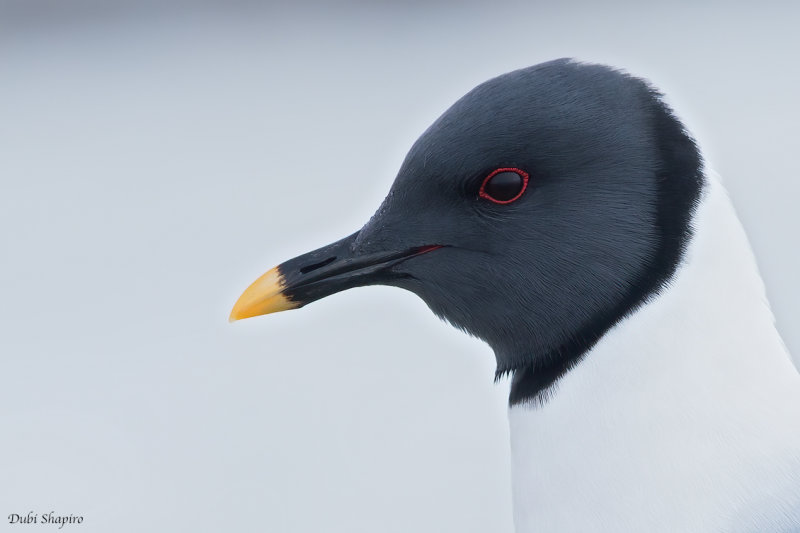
(683, 417)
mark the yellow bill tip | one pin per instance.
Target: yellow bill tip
(263, 296)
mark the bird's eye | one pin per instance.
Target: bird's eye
(504, 185)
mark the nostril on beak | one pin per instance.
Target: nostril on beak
(310, 268)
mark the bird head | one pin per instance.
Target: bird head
(539, 210)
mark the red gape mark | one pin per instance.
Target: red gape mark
(425, 249)
(524, 175)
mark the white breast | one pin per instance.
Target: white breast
(684, 417)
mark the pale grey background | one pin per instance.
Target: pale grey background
(155, 157)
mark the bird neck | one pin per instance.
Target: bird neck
(681, 418)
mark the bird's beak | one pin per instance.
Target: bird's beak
(320, 273)
(263, 296)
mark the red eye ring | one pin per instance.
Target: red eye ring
(524, 175)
